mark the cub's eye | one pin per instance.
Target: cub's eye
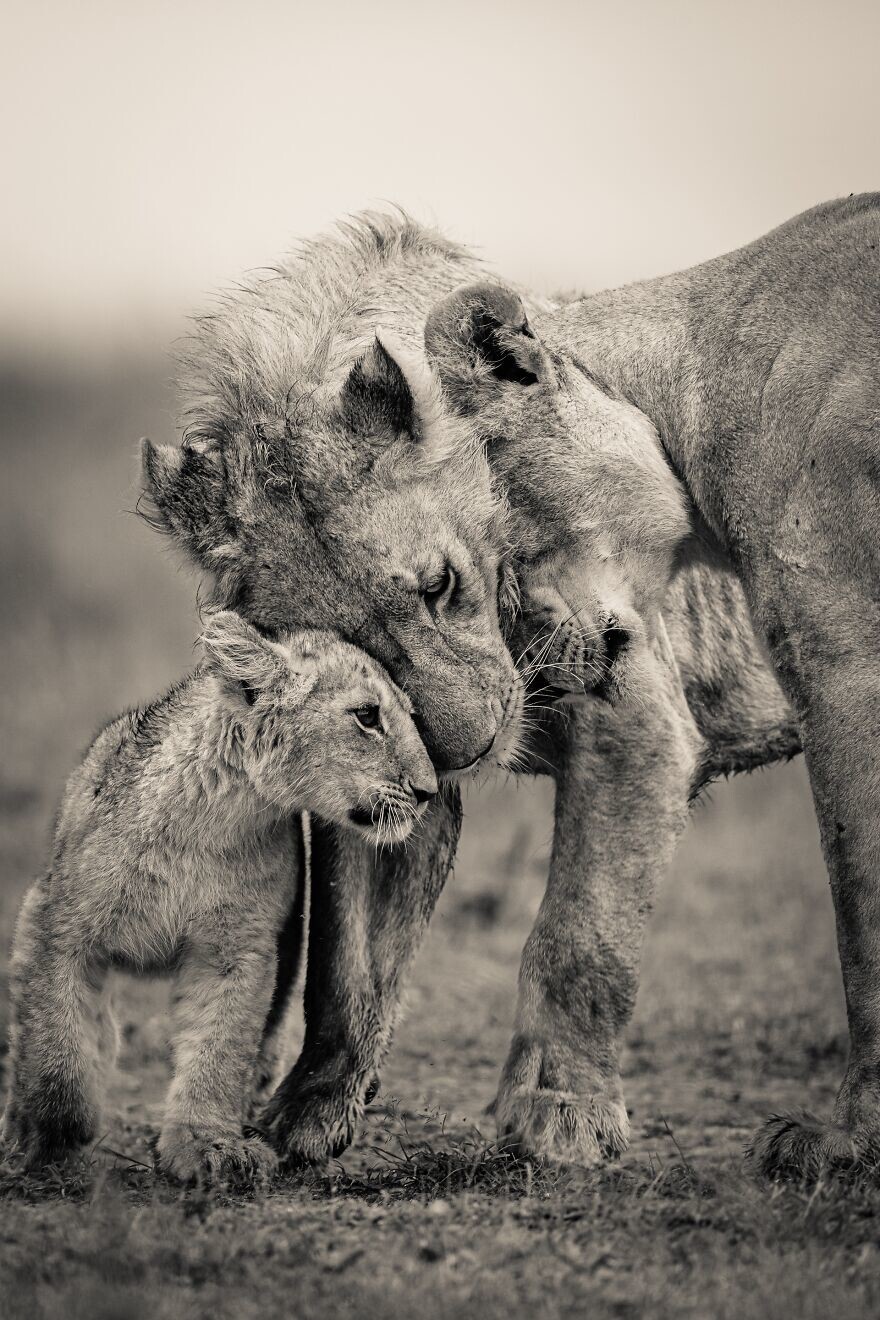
(368, 717)
(439, 591)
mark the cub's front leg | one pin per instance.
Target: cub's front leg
(62, 1034)
(623, 777)
(223, 990)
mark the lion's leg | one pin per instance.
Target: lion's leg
(275, 1054)
(58, 1038)
(622, 792)
(834, 674)
(368, 912)
(223, 990)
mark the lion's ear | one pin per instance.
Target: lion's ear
(187, 490)
(391, 394)
(376, 396)
(479, 339)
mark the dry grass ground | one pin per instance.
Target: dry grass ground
(740, 1011)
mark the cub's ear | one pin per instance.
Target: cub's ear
(186, 488)
(238, 654)
(479, 338)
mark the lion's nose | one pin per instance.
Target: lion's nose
(615, 638)
(424, 786)
(476, 760)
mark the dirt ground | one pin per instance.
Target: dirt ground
(740, 1012)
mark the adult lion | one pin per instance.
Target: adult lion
(324, 482)
(321, 484)
(761, 373)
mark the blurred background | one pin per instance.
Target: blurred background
(154, 152)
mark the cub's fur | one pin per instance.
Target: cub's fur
(174, 851)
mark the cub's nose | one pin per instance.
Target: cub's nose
(423, 792)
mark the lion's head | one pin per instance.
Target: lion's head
(596, 515)
(323, 486)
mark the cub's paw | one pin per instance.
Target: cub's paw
(197, 1155)
(562, 1126)
(799, 1147)
(34, 1140)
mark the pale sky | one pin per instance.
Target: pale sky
(154, 150)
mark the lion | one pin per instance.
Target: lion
(325, 480)
(321, 484)
(757, 376)
(313, 482)
(175, 852)
(599, 522)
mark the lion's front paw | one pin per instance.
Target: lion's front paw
(197, 1155)
(310, 1128)
(562, 1125)
(801, 1148)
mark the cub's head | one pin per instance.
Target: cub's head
(325, 487)
(320, 727)
(596, 514)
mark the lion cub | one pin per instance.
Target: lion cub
(174, 852)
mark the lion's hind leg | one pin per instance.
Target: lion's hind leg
(826, 654)
(58, 1029)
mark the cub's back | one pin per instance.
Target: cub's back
(108, 783)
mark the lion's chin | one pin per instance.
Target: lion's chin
(506, 750)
